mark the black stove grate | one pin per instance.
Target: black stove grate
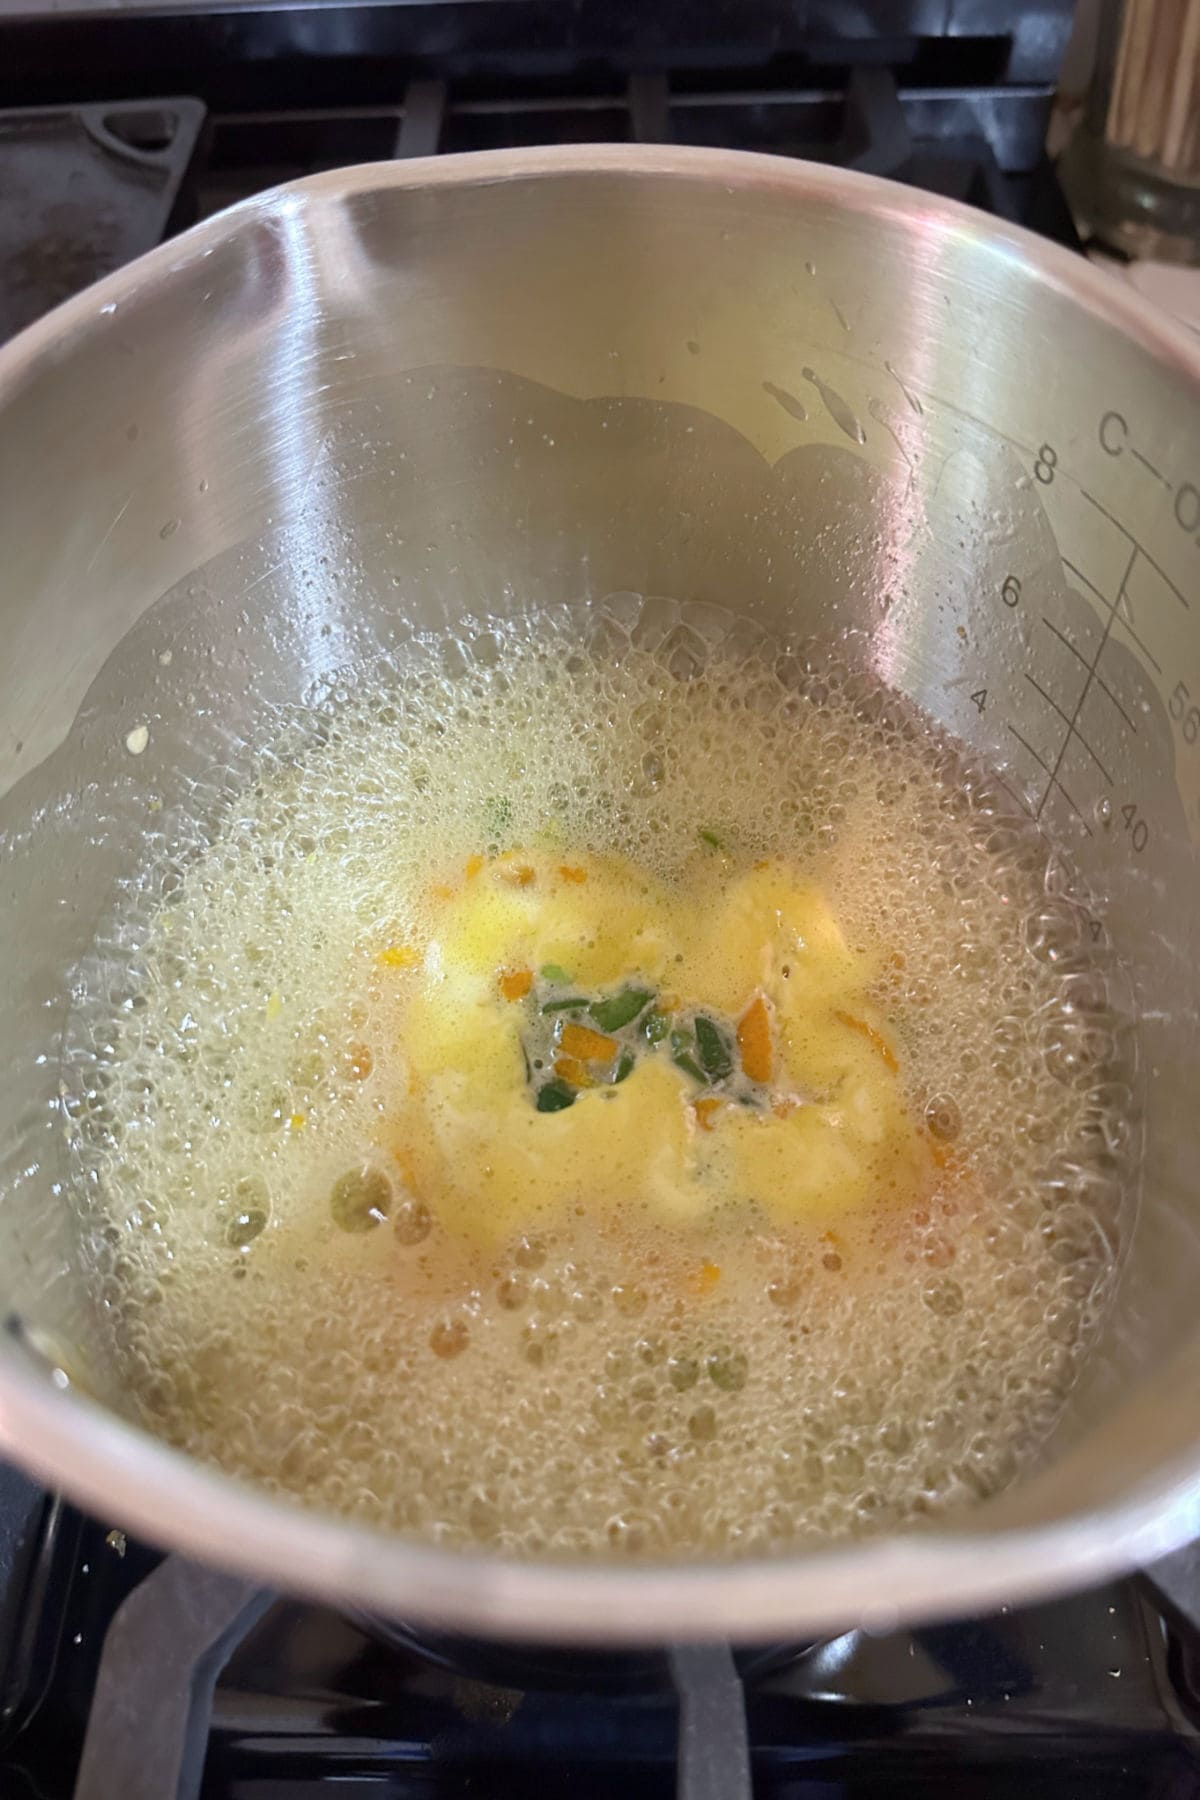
(1095, 1697)
(292, 91)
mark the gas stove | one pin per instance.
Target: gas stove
(125, 1675)
(123, 122)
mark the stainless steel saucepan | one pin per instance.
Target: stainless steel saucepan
(387, 396)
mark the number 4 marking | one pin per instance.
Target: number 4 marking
(979, 699)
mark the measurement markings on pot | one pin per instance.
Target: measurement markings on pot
(1069, 719)
(1114, 441)
(1127, 625)
(1117, 613)
(1051, 764)
(1115, 438)
(1052, 782)
(1081, 658)
(1072, 729)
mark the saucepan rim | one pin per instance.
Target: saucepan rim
(140, 1484)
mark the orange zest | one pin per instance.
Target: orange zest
(754, 1040)
(400, 956)
(704, 1110)
(586, 1045)
(517, 874)
(706, 1277)
(567, 1068)
(832, 1257)
(474, 864)
(570, 874)
(942, 1154)
(358, 1061)
(875, 1038)
(516, 983)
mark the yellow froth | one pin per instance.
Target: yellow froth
(341, 1253)
(835, 1133)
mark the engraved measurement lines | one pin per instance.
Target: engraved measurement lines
(1052, 781)
(1072, 721)
(1019, 799)
(1123, 620)
(1068, 721)
(1147, 464)
(1077, 653)
(1130, 539)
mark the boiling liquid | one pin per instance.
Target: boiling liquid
(281, 1304)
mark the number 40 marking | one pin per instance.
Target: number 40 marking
(1136, 826)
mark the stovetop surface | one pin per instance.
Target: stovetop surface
(1091, 1696)
(125, 123)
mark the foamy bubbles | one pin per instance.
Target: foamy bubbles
(283, 1305)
